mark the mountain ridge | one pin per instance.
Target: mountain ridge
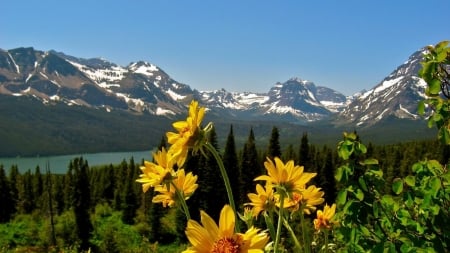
(142, 91)
(144, 87)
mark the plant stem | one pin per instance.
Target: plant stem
(305, 237)
(226, 180)
(294, 237)
(280, 218)
(184, 206)
(326, 240)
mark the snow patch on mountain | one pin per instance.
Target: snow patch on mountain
(102, 75)
(162, 111)
(175, 96)
(143, 68)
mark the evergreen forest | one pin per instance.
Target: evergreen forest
(103, 208)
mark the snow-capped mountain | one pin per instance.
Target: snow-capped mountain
(143, 87)
(296, 99)
(396, 96)
(53, 77)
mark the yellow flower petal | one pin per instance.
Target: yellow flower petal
(198, 236)
(210, 225)
(210, 238)
(226, 222)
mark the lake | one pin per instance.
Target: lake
(59, 164)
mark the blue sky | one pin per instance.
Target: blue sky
(246, 45)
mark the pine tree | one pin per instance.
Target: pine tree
(274, 149)
(82, 202)
(26, 202)
(326, 177)
(14, 177)
(7, 209)
(130, 199)
(250, 167)
(230, 161)
(38, 185)
(119, 197)
(109, 182)
(289, 154)
(49, 188)
(58, 189)
(69, 187)
(304, 154)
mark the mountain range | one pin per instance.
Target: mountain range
(55, 79)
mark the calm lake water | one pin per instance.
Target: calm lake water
(59, 164)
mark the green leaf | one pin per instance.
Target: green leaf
(376, 209)
(408, 200)
(341, 197)
(339, 172)
(387, 200)
(435, 184)
(441, 56)
(392, 248)
(362, 148)
(417, 168)
(378, 173)
(410, 180)
(421, 108)
(425, 71)
(370, 161)
(437, 117)
(345, 151)
(444, 135)
(397, 186)
(351, 136)
(364, 230)
(435, 209)
(434, 86)
(359, 194)
(362, 184)
(442, 45)
(435, 167)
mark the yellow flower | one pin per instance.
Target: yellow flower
(210, 238)
(185, 183)
(309, 198)
(323, 218)
(154, 174)
(187, 132)
(290, 177)
(263, 199)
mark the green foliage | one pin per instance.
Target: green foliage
(22, 231)
(231, 163)
(111, 234)
(436, 73)
(250, 167)
(82, 202)
(414, 219)
(6, 199)
(274, 149)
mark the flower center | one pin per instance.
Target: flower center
(226, 245)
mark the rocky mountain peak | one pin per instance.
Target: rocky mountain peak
(397, 95)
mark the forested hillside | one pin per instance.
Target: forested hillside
(103, 208)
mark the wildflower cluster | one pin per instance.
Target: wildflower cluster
(285, 189)
(174, 185)
(286, 193)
